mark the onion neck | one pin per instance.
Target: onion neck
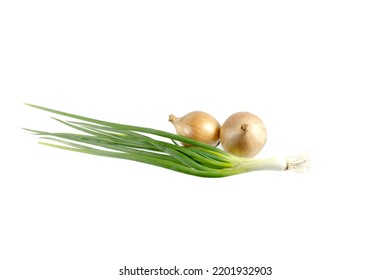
(244, 128)
(172, 118)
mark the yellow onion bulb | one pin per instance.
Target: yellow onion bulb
(243, 134)
(197, 125)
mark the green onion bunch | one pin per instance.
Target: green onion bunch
(156, 147)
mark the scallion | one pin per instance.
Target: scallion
(136, 143)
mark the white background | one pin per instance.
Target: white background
(316, 72)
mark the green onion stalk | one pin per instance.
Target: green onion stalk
(156, 147)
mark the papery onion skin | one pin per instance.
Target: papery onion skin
(243, 134)
(199, 126)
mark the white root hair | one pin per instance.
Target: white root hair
(298, 163)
